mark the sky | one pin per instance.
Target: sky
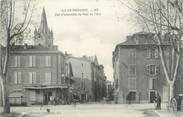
(89, 35)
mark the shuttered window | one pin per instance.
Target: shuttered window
(16, 61)
(152, 83)
(48, 78)
(48, 61)
(152, 69)
(32, 77)
(152, 53)
(156, 53)
(17, 78)
(32, 61)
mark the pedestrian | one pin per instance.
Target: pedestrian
(179, 103)
(74, 102)
(155, 102)
(158, 99)
(128, 98)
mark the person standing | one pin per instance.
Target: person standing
(179, 101)
(158, 100)
(155, 102)
(128, 98)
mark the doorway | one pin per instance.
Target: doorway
(152, 96)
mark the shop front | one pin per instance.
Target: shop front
(46, 95)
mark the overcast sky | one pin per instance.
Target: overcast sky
(89, 35)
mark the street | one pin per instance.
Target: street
(86, 110)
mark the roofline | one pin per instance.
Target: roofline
(145, 45)
(34, 52)
(79, 58)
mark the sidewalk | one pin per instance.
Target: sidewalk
(165, 113)
(148, 109)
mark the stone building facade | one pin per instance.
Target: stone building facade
(37, 73)
(89, 78)
(138, 73)
(109, 90)
(99, 79)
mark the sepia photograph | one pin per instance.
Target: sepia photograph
(91, 58)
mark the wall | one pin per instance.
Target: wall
(142, 77)
(57, 68)
(82, 74)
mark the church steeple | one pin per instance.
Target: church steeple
(44, 25)
(44, 36)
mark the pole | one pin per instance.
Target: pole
(82, 88)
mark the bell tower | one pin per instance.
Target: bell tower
(43, 35)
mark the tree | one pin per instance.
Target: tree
(13, 26)
(164, 18)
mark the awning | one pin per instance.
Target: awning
(46, 87)
(16, 94)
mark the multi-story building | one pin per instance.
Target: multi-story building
(37, 73)
(98, 79)
(138, 74)
(81, 68)
(89, 78)
(109, 90)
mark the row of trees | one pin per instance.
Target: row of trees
(162, 17)
(15, 17)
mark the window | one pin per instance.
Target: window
(152, 69)
(32, 61)
(132, 53)
(152, 53)
(17, 61)
(148, 53)
(32, 77)
(136, 41)
(151, 83)
(59, 59)
(132, 83)
(116, 84)
(17, 77)
(48, 77)
(48, 61)
(156, 53)
(132, 69)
